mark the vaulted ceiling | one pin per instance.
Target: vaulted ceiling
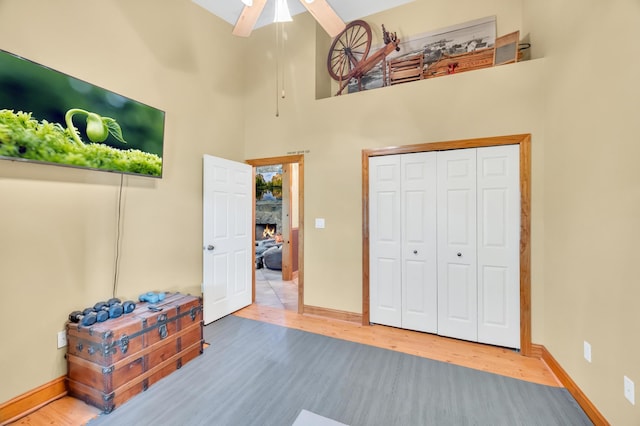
(348, 10)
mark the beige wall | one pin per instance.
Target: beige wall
(579, 101)
(57, 245)
(592, 193)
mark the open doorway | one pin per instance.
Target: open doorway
(278, 278)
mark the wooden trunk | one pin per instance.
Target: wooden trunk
(110, 362)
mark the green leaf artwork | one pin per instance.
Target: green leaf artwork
(23, 137)
(98, 128)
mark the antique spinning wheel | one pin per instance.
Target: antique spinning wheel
(349, 49)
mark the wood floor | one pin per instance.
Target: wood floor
(70, 411)
(506, 362)
(65, 411)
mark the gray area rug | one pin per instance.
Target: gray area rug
(256, 373)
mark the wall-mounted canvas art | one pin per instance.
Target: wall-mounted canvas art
(434, 45)
(52, 118)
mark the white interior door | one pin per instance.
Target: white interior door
(498, 245)
(419, 266)
(457, 265)
(385, 241)
(227, 239)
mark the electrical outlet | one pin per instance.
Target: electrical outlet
(629, 390)
(587, 351)
(62, 339)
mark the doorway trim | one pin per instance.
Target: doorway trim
(524, 140)
(288, 159)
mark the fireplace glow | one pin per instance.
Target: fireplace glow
(268, 232)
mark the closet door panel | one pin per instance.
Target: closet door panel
(457, 265)
(385, 249)
(460, 294)
(419, 266)
(493, 303)
(498, 245)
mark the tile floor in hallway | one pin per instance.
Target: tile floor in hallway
(272, 291)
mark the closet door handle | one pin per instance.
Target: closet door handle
(415, 252)
(459, 254)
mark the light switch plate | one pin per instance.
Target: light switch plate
(319, 222)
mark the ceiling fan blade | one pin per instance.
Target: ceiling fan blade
(248, 18)
(326, 16)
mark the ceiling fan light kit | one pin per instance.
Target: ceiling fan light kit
(282, 12)
(319, 9)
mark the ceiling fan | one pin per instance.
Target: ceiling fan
(319, 9)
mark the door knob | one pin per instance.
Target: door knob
(415, 252)
(210, 247)
(459, 254)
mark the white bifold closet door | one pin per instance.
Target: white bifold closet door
(498, 213)
(385, 277)
(478, 245)
(444, 237)
(419, 255)
(457, 264)
(402, 241)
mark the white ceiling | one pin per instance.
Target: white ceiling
(348, 10)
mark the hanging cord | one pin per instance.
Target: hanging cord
(118, 225)
(280, 39)
(277, 69)
(282, 56)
